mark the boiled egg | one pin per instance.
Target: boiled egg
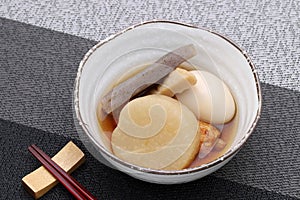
(209, 99)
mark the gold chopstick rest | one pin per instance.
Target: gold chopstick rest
(40, 181)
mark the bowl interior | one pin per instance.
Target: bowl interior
(135, 47)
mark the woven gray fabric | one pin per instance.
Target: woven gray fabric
(105, 183)
(38, 68)
(268, 30)
(270, 159)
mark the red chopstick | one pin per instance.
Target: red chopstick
(75, 188)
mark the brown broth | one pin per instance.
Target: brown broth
(108, 124)
(228, 132)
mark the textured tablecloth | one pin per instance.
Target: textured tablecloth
(42, 43)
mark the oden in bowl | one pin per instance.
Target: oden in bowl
(176, 147)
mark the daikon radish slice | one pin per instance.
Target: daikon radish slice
(158, 132)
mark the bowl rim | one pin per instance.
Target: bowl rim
(203, 167)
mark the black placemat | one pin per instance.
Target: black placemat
(38, 67)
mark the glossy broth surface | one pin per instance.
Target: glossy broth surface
(107, 124)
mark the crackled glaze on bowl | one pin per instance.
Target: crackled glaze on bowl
(148, 41)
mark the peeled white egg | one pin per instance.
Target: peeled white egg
(209, 99)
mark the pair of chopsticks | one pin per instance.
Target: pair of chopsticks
(75, 188)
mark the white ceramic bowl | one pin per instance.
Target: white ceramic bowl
(145, 43)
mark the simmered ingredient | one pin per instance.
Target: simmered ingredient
(176, 82)
(156, 132)
(121, 94)
(209, 99)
